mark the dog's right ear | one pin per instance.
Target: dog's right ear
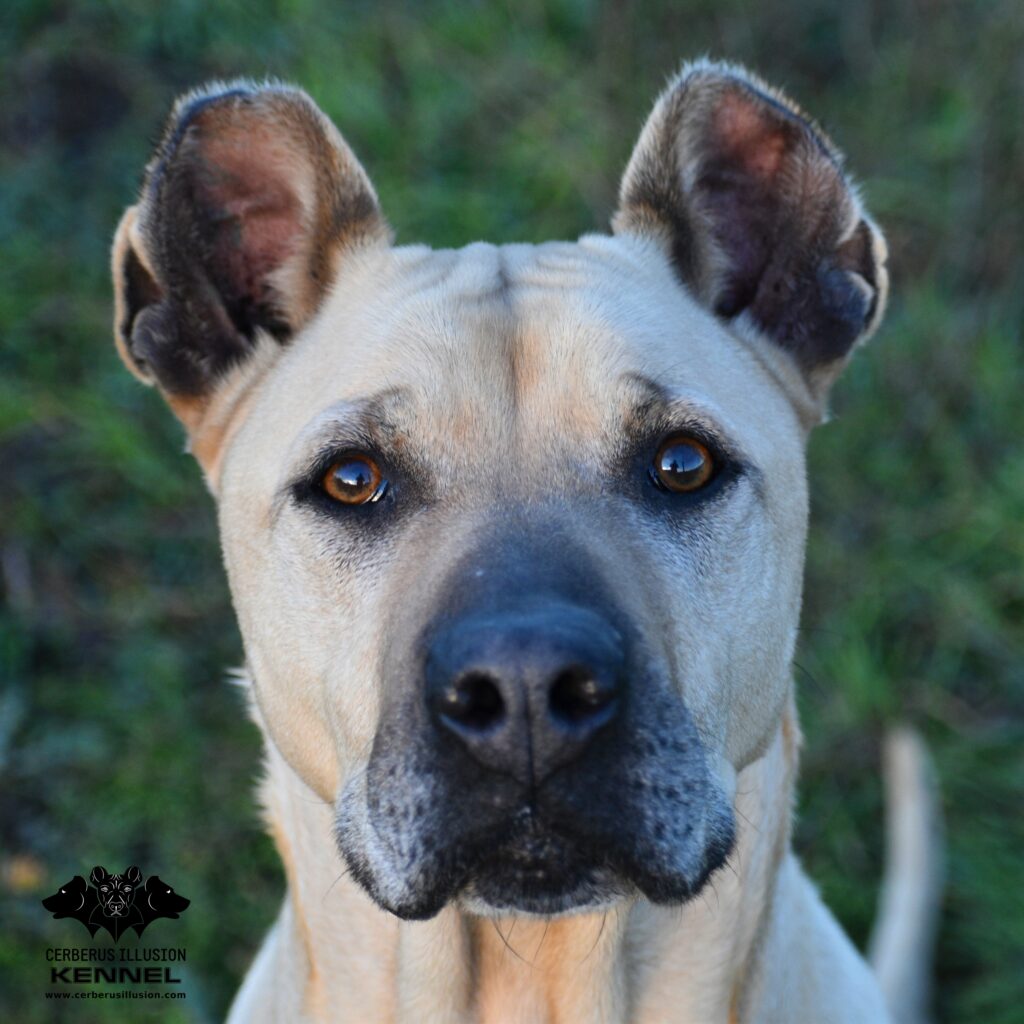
(247, 209)
(98, 876)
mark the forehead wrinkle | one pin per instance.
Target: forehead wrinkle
(442, 349)
(566, 354)
(463, 368)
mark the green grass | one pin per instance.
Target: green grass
(119, 739)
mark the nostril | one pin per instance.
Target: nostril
(473, 701)
(577, 696)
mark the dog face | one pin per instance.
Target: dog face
(70, 900)
(116, 893)
(158, 899)
(515, 535)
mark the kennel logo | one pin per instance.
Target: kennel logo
(115, 903)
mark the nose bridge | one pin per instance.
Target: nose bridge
(537, 553)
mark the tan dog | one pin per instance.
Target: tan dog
(515, 536)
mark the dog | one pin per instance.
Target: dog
(157, 899)
(515, 538)
(77, 899)
(115, 908)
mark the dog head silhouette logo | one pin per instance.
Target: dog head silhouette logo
(115, 902)
(158, 899)
(75, 898)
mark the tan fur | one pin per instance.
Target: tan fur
(127, 238)
(513, 373)
(649, 964)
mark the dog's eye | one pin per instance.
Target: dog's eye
(682, 465)
(354, 480)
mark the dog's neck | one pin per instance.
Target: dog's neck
(335, 956)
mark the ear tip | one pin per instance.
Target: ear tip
(717, 75)
(221, 90)
(709, 70)
(234, 96)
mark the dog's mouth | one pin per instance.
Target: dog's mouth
(538, 871)
(542, 871)
(530, 863)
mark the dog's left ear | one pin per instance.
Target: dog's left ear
(248, 207)
(749, 199)
(134, 875)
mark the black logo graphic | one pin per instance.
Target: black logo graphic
(115, 902)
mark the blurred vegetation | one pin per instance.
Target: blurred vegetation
(120, 741)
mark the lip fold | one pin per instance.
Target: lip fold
(529, 866)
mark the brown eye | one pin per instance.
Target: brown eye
(354, 480)
(682, 465)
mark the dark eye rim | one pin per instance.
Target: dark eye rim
(307, 490)
(730, 466)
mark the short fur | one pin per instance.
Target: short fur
(515, 395)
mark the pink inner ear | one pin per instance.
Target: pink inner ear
(258, 210)
(749, 136)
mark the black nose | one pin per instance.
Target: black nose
(525, 691)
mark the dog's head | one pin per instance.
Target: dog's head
(69, 899)
(160, 900)
(116, 893)
(515, 534)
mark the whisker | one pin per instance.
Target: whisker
(506, 943)
(345, 872)
(812, 681)
(543, 936)
(600, 932)
(718, 901)
(747, 820)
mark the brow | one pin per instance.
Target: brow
(648, 405)
(376, 418)
(371, 422)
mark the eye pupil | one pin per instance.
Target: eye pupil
(353, 475)
(683, 464)
(353, 480)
